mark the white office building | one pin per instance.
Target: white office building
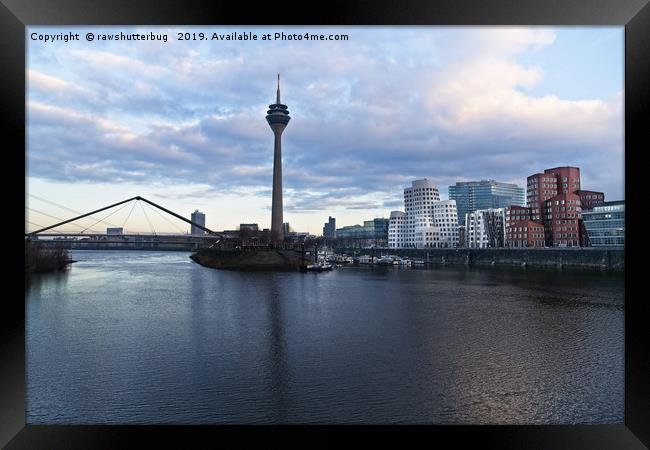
(199, 218)
(397, 229)
(485, 228)
(427, 222)
(117, 231)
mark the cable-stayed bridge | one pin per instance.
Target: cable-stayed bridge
(88, 237)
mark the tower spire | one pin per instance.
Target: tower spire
(277, 100)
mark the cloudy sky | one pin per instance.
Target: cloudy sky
(182, 123)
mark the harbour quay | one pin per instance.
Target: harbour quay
(590, 258)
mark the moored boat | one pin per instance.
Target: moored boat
(385, 261)
(319, 267)
(365, 259)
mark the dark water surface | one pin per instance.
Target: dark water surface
(151, 337)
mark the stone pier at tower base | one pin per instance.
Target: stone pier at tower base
(267, 259)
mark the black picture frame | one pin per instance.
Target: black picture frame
(15, 15)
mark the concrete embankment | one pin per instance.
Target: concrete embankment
(250, 259)
(561, 258)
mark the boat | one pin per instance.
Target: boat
(344, 259)
(418, 262)
(365, 259)
(319, 267)
(385, 261)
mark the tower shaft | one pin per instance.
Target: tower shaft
(277, 219)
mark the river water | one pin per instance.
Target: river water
(126, 337)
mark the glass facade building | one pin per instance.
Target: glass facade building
(329, 229)
(485, 194)
(605, 224)
(372, 232)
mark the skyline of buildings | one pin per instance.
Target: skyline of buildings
(183, 125)
(553, 217)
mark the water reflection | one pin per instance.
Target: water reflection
(278, 373)
(128, 337)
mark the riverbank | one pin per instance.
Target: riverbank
(45, 258)
(608, 259)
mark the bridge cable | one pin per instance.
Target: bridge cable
(127, 217)
(101, 220)
(64, 207)
(41, 226)
(168, 221)
(54, 217)
(147, 217)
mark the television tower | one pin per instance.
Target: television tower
(278, 117)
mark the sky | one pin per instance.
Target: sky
(182, 122)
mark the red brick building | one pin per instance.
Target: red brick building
(568, 179)
(521, 230)
(554, 202)
(589, 199)
(540, 187)
(563, 226)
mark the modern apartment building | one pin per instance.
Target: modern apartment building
(521, 230)
(427, 222)
(397, 229)
(485, 228)
(556, 201)
(563, 224)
